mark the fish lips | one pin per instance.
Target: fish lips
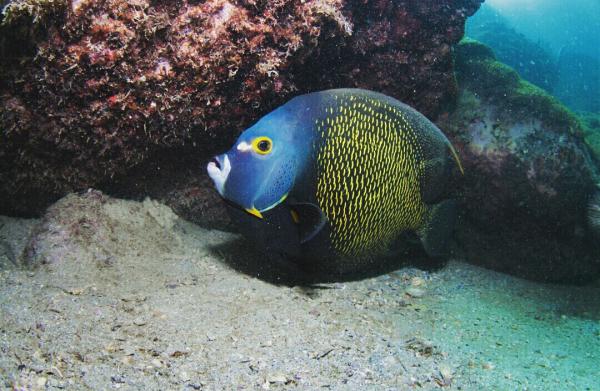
(218, 170)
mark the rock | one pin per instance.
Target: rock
(90, 227)
(529, 175)
(106, 93)
(13, 239)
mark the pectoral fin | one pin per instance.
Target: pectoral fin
(309, 218)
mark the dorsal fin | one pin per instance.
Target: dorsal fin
(456, 158)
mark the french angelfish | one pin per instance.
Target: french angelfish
(345, 172)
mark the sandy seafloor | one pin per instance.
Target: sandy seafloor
(128, 296)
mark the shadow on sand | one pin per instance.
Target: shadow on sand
(276, 269)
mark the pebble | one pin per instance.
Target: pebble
(41, 381)
(75, 291)
(277, 378)
(156, 363)
(139, 322)
(415, 292)
(159, 315)
(127, 360)
(417, 281)
(111, 347)
(183, 376)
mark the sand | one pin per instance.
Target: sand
(112, 294)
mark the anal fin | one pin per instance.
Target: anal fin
(437, 231)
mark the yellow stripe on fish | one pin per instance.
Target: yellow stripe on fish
(368, 174)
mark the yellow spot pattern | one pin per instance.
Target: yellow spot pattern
(368, 169)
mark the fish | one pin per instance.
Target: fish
(347, 173)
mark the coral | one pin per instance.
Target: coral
(92, 89)
(529, 175)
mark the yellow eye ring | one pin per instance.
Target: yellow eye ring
(262, 145)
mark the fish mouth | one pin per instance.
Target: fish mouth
(215, 161)
(218, 170)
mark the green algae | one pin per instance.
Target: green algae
(469, 48)
(495, 82)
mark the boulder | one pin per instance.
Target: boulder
(529, 175)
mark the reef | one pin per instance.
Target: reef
(529, 174)
(95, 92)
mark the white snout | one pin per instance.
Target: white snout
(219, 175)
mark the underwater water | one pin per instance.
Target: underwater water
(201, 195)
(553, 44)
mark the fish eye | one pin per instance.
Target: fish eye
(262, 145)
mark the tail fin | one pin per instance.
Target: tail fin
(594, 213)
